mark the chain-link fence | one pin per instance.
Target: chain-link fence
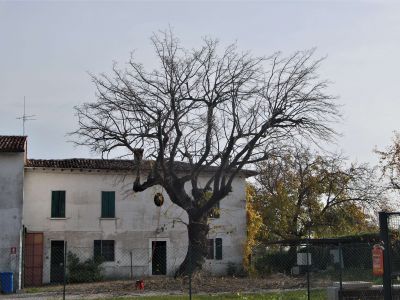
(324, 270)
(390, 235)
(308, 269)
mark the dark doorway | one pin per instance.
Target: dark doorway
(159, 258)
(33, 259)
(57, 262)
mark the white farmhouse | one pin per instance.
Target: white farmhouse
(87, 207)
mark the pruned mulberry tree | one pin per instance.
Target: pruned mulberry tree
(209, 106)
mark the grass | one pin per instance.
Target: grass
(284, 295)
(43, 289)
(280, 295)
(349, 274)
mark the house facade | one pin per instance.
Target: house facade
(12, 161)
(86, 207)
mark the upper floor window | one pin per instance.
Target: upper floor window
(108, 204)
(58, 204)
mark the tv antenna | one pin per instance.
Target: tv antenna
(25, 118)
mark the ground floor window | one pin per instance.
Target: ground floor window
(214, 249)
(104, 250)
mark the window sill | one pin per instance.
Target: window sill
(108, 218)
(59, 218)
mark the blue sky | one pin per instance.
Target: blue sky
(47, 48)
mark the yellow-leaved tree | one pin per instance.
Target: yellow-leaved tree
(303, 193)
(254, 223)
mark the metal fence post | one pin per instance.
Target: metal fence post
(340, 272)
(387, 273)
(308, 269)
(23, 257)
(190, 270)
(130, 253)
(65, 269)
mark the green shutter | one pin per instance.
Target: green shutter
(218, 248)
(103, 204)
(54, 203)
(111, 204)
(108, 204)
(61, 201)
(58, 204)
(112, 208)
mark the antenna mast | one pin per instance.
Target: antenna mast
(25, 118)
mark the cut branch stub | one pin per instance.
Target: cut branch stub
(138, 155)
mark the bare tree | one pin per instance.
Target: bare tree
(390, 163)
(205, 107)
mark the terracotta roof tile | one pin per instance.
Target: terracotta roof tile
(82, 163)
(9, 143)
(107, 164)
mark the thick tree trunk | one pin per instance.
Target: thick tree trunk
(197, 248)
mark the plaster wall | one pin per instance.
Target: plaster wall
(11, 196)
(138, 221)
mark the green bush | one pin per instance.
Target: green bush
(235, 270)
(357, 256)
(320, 256)
(275, 262)
(87, 271)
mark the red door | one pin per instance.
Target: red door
(33, 259)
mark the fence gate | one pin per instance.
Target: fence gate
(389, 224)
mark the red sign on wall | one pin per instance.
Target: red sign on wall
(13, 250)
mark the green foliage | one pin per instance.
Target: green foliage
(321, 257)
(276, 262)
(254, 223)
(302, 193)
(281, 295)
(363, 237)
(357, 256)
(87, 271)
(234, 270)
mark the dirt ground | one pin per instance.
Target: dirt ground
(165, 285)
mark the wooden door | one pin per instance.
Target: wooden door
(159, 259)
(33, 259)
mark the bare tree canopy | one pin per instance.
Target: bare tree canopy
(206, 107)
(390, 165)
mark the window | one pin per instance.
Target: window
(104, 250)
(214, 246)
(108, 204)
(58, 204)
(214, 211)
